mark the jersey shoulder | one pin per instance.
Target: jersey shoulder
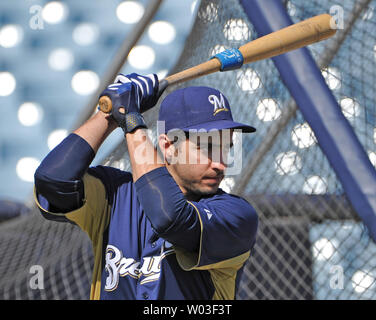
(229, 200)
(112, 178)
(235, 211)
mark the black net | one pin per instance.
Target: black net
(311, 244)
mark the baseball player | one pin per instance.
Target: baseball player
(166, 230)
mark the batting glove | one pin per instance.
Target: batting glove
(148, 88)
(131, 95)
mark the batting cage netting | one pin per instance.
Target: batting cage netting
(311, 244)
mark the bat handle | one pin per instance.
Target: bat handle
(105, 103)
(163, 84)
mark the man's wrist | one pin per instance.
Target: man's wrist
(111, 122)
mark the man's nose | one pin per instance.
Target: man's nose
(218, 163)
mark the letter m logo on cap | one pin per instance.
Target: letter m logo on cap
(218, 103)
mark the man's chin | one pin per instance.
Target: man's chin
(206, 190)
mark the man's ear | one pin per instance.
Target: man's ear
(166, 148)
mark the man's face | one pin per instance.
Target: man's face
(199, 161)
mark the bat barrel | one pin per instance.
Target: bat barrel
(290, 38)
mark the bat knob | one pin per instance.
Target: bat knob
(105, 104)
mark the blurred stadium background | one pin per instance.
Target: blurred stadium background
(53, 55)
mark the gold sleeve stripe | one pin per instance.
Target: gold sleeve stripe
(89, 216)
(46, 211)
(223, 273)
(93, 218)
(190, 260)
(229, 263)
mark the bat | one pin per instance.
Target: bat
(293, 37)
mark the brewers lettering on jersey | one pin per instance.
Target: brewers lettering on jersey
(118, 266)
(164, 230)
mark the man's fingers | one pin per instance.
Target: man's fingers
(122, 78)
(145, 83)
(140, 85)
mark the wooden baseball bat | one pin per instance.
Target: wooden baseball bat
(293, 37)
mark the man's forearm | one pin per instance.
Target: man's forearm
(142, 153)
(96, 129)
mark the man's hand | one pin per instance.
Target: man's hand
(131, 95)
(148, 88)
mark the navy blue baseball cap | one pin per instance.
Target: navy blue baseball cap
(198, 108)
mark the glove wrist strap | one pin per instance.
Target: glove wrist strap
(134, 120)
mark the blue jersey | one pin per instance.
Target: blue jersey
(132, 262)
